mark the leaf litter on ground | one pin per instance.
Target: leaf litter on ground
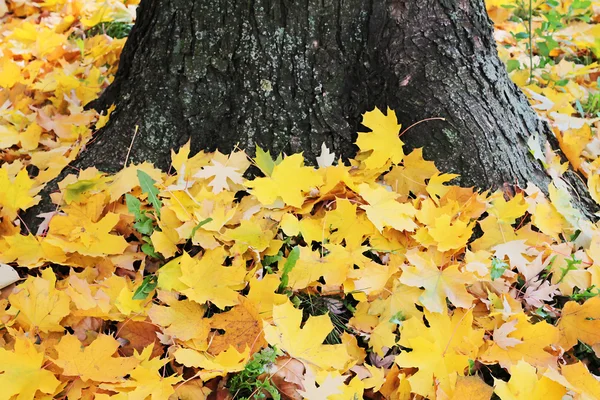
(372, 279)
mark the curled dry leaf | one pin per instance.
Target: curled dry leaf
(287, 375)
(8, 275)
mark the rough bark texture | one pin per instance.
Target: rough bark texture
(289, 75)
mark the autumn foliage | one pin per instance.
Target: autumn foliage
(370, 278)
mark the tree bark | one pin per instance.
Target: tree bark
(289, 75)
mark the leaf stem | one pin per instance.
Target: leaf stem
(418, 122)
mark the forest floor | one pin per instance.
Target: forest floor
(372, 280)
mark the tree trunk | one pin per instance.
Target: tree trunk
(289, 75)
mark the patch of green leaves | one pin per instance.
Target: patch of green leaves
(592, 106)
(588, 293)
(247, 384)
(512, 65)
(265, 162)
(498, 268)
(144, 223)
(148, 285)
(148, 188)
(114, 29)
(571, 266)
(541, 41)
(290, 263)
(398, 318)
(74, 191)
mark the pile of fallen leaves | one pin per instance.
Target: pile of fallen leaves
(370, 279)
(55, 57)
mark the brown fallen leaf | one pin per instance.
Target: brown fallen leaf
(190, 390)
(242, 326)
(286, 375)
(138, 335)
(85, 325)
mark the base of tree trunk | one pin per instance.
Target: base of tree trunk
(290, 75)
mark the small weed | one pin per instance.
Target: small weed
(588, 293)
(592, 106)
(114, 29)
(498, 268)
(247, 385)
(540, 41)
(571, 266)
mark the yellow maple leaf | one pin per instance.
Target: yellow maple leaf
(165, 242)
(507, 212)
(370, 279)
(330, 385)
(208, 280)
(383, 336)
(311, 266)
(524, 384)
(10, 73)
(402, 299)
(21, 372)
(472, 388)
(526, 342)
(493, 233)
(377, 378)
(351, 390)
(241, 327)
(548, 220)
(29, 251)
(573, 141)
(578, 379)
(382, 143)
(438, 283)
(79, 234)
(182, 319)
(225, 362)
(166, 239)
(311, 228)
(169, 276)
(145, 381)
(384, 210)
(263, 295)
(440, 349)
(346, 224)
(110, 298)
(126, 179)
(37, 304)
(593, 185)
(289, 181)
(411, 177)
(16, 194)
(9, 136)
(78, 190)
(249, 235)
(87, 297)
(306, 343)
(580, 322)
(94, 362)
(436, 187)
(450, 235)
(30, 138)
